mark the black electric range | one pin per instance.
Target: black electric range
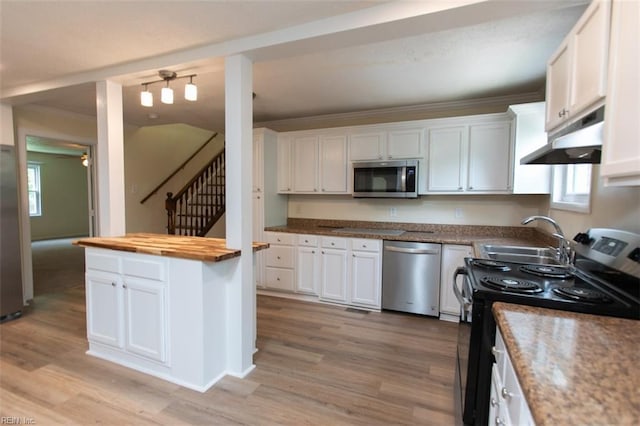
(603, 280)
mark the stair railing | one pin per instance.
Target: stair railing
(200, 203)
(180, 167)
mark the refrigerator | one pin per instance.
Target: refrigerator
(11, 301)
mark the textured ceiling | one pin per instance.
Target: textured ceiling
(419, 62)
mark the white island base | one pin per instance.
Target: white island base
(164, 316)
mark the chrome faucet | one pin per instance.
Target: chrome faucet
(563, 252)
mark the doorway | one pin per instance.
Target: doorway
(60, 202)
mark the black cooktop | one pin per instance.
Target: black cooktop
(555, 287)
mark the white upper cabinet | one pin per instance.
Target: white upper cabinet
(577, 72)
(285, 164)
(305, 164)
(367, 146)
(312, 162)
(529, 135)
(474, 157)
(621, 147)
(489, 157)
(333, 164)
(447, 154)
(392, 144)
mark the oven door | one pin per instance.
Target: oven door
(463, 294)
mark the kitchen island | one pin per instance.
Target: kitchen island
(158, 304)
(573, 368)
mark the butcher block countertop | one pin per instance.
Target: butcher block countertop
(574, 368)
(195, 248)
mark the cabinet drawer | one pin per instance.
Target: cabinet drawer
(281, 257)
(334, 243)
(280, 238)
(363, 244)
(148, 269)
(102, 262)
(308, 240)
(279, 279)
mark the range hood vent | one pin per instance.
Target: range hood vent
(580, 142)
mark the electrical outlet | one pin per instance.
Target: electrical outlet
(459, 213)
(393, 212)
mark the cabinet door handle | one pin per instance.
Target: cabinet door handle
(113, 284)
(124, 286)
(494, 402)
(333, 244)
(471, 187)
(278, 279)
(353, 255)
(495, 352)
(313, 252)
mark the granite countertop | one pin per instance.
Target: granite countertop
(184, 247)
(574, 368)
(426, 233)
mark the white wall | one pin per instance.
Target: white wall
(494, 210)
(150, 155)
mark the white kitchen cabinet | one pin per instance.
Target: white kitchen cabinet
(621, 147)
(269, 208)
(386, 144)
(577, 71)
(333, 164)
(490, 157)
(285, 164)
(367, 145)
(334, 272)
(507, 404)
(308, 265)
(470, 156)
(280, 261)
(145, 318)
(126, 304)
(312, 162)
(104, 304)
(305, 164)
(529, 135)
(366, 273)
(447, 156)
(452, 257)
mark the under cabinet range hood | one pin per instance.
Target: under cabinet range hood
(580, 142)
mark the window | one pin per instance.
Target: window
(33, 184)
(572, 187)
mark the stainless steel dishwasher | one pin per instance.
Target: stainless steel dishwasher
(411, 277)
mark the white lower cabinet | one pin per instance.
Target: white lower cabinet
(280, 261)
(366, 272)
(507, 404)
(333, 269)
(351, 271)
(452, 257)
(127, 312)
(308, 265)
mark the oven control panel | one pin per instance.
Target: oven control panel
(612, 247)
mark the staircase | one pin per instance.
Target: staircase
(200, 203)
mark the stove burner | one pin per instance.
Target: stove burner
(511, 284)
(547, 271)
(491, 264)
(582, 294)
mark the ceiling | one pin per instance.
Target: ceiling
(483, 49)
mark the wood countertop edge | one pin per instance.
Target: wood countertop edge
(212, 254)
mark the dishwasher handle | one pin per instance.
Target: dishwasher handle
(464, 302)
(411, 250)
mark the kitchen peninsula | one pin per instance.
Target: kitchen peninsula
(158, 304)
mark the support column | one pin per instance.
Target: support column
(110, 159)
(239, 175)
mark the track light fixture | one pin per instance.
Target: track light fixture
(166, 95)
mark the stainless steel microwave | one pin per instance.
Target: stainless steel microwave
(385, 179)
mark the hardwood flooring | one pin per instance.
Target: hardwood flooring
(316, 365)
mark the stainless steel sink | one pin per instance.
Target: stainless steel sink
(523, 254)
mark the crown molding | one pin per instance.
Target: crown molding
(403, 113)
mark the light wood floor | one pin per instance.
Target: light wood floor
(316, 364)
